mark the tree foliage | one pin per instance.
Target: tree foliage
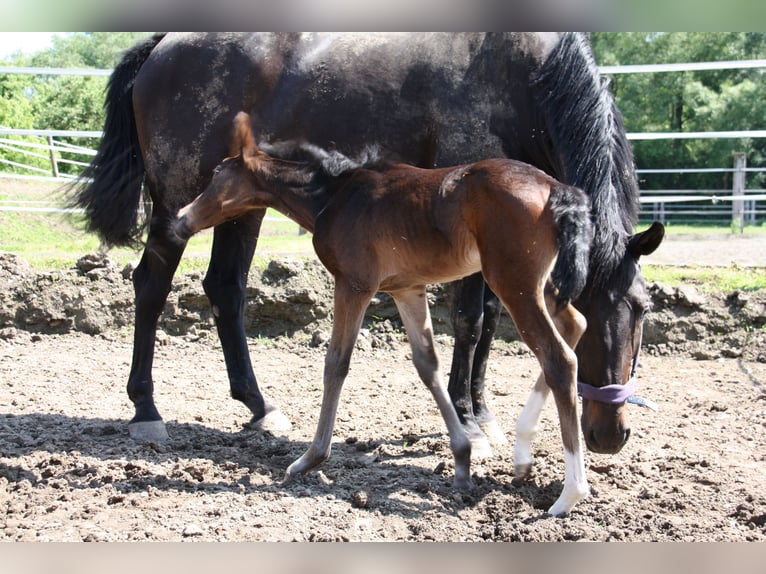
(703, 101)
(61, 102)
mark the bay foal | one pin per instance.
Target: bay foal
(396, 228)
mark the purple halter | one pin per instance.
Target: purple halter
(616, 394)
(610, 394)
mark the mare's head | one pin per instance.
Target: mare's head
(238, 185)
(608, 351)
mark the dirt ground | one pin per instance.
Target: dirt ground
(693, 471)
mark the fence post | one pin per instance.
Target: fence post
(54, 163)
(738, 190)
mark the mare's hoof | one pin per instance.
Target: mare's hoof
(480, 448)
(148, 431)
(287, 479)
(274, 422)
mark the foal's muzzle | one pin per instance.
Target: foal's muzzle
(181, 229)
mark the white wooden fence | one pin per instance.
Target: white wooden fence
(739, 205)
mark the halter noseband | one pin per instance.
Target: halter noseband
(616, 394)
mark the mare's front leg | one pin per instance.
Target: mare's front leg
(467, 321)
(152, 280)
(225, 285)
(571, 325)
(413, 309)
(350, 305)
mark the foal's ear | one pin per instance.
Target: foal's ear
(647, 241)
(242, 141)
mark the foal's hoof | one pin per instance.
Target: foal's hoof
(273, 421)
(568, 499)
(521, 472)
(148, 431)
(462, 484)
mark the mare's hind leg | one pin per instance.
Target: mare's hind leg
(151, 281)
(225, 284)
(350, 305)
(413, 309)
(482, 414)
(571, 325)
(467, 321)
(559, 364)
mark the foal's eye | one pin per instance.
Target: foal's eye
(217, 169)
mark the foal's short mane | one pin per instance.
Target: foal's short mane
(329, 162)
(594, 154)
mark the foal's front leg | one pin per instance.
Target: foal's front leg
(413, 309)
(571, 325)
(559, 365)
(350, 305)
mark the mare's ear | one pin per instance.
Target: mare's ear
(647, 241)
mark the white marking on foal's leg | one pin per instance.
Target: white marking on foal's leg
(575, 483)
(526, 429)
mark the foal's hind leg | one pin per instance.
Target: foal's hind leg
(571, 325)
(225, 284)
(350, 305)
(413, 309)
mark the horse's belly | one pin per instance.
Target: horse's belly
(430, 268)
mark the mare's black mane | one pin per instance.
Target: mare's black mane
(330, 163)
(594, 153)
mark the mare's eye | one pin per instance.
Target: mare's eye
(217, 169)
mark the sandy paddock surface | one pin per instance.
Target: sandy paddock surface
(68, 471)
(694, 471)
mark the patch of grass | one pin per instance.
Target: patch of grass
(708, 279)
(49, 241)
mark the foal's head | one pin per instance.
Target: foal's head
(608, 351)
(239, 184)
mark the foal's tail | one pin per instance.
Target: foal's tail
(109, 189)
(574, 234)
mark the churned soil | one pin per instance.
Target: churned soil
(69, 471)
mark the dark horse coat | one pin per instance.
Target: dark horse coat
(427, 99)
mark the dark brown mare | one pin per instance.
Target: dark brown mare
(395, 228)
(427, 99)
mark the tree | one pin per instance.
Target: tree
(689, 101)
(63, 102)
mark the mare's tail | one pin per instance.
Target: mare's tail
(109, 189)
(574, 235)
